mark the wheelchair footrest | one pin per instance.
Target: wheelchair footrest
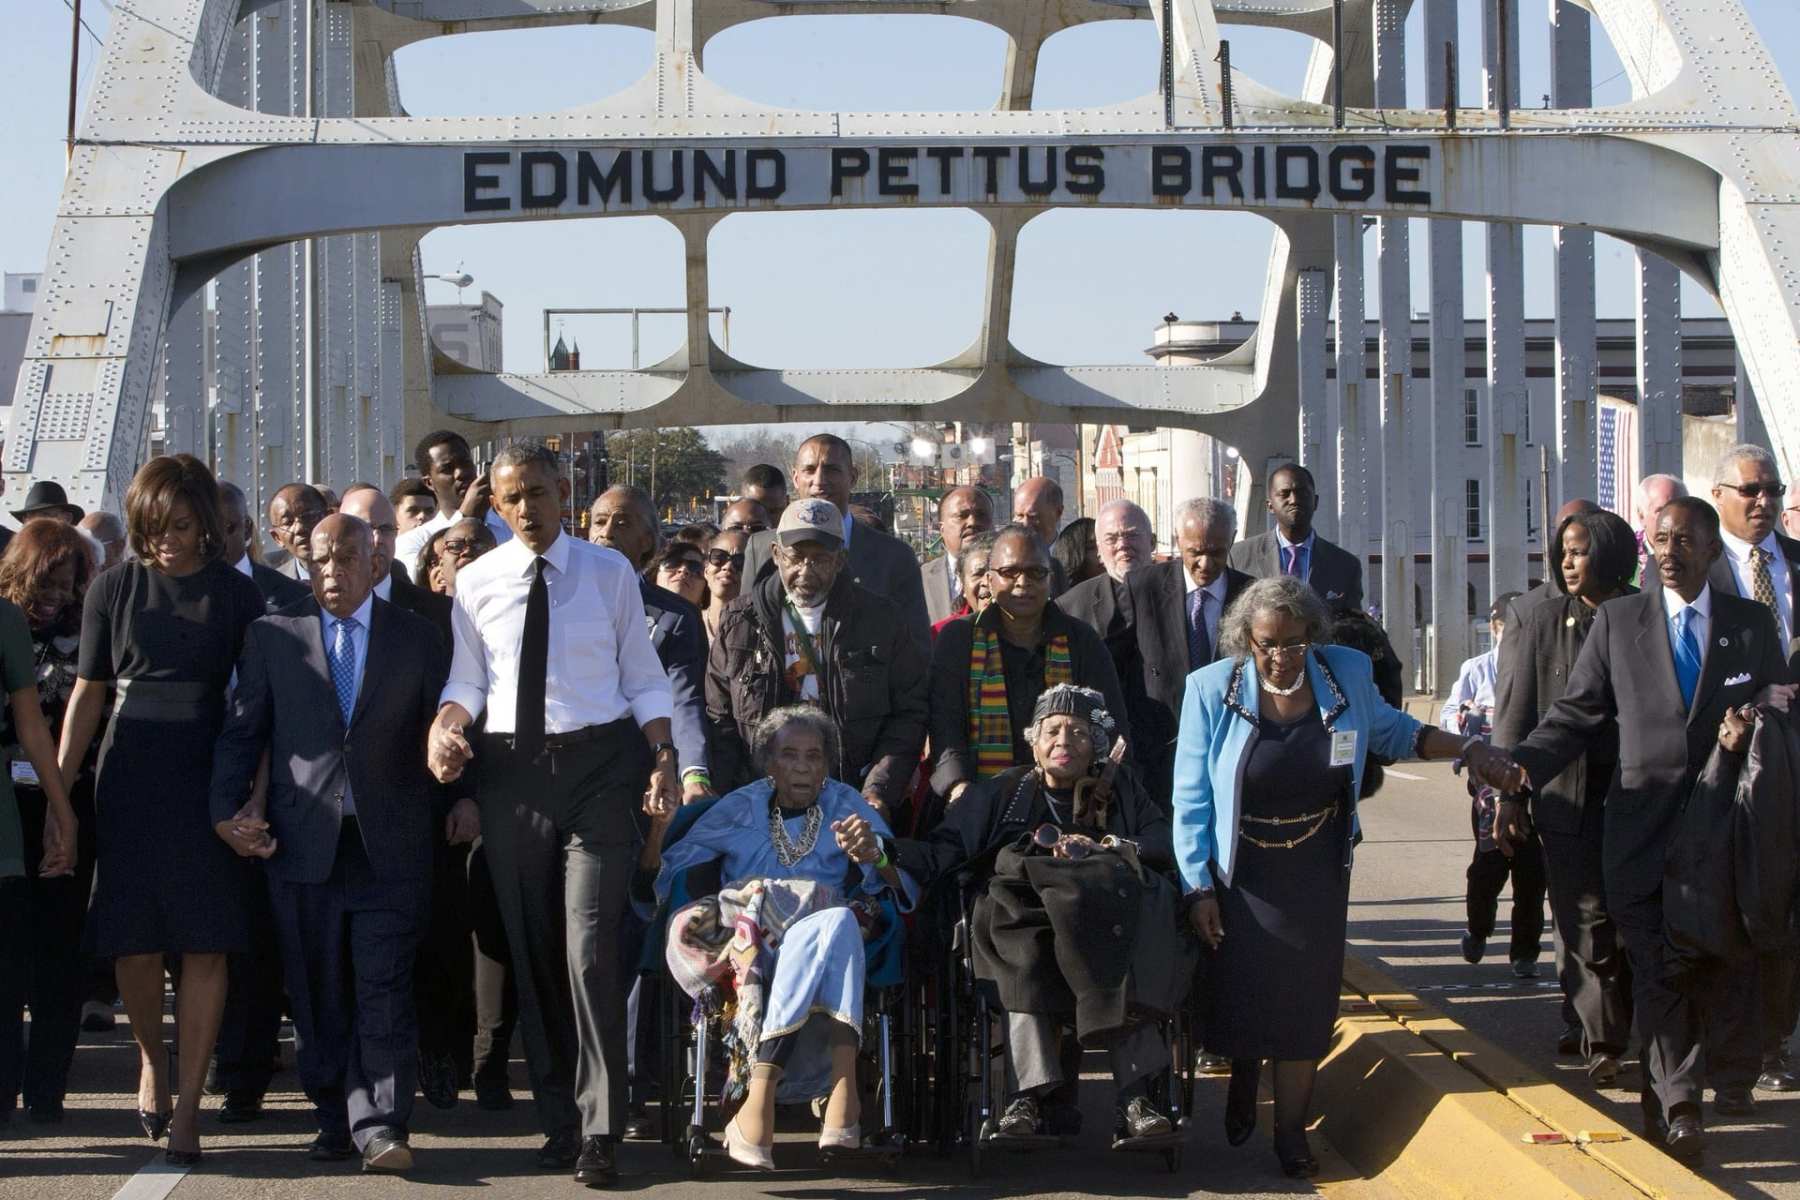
(1151, 1145)
(1022, 1142)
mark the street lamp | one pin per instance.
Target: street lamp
(458, 281)
(923, 449)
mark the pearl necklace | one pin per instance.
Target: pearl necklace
(1290, 689)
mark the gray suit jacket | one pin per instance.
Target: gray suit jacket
(939, 600)
(879, 563)
(1335, 573)
(285, 703)
(1625, 673)
(1723, 579)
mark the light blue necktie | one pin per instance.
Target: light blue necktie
(343, 665)
(1687, 657)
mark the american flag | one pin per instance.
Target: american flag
(1618, 456)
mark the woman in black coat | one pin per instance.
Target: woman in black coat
(1597, 557)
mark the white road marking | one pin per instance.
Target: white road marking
(1404, 775)
(155, 1181)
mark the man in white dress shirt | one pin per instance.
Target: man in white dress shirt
(551, 643)
(444, 461)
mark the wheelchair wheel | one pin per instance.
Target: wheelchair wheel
(696, 1151)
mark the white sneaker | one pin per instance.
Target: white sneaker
(744, 1152)
(847, 1138)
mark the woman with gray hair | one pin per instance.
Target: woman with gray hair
(819, 844)
(1268, 767)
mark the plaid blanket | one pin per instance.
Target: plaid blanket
(721, 951)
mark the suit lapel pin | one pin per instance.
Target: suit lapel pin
(1569, 621)
(1724, 641)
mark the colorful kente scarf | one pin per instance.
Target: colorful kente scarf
(990, 720)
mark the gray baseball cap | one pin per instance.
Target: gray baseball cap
(811, 521)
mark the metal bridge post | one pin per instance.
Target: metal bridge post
(1577, 371)
(1658, 365)
(1449, 543)
(1506, 388)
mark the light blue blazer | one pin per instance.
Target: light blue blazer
(1218, 715)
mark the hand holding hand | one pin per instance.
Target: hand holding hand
(447, 751)
(874, 801)
(856, 838)
(247, 833)
(1203, 915)
(1496, 769)
(1734, 730)
(693, 791)
(659, 805)
(1511, 826)
(59, 843)
(463, 825)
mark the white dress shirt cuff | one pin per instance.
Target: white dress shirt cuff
(650, 706)
(473, 699)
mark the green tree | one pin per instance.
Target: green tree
(676, 466)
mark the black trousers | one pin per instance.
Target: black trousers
(42, 965)
(1778, 980)
(349, 943)
(1488, 873)
(1699, 1027)
(250, 1025)
(496, 997)
(444, 972)
(561, 846)
(1590, 956)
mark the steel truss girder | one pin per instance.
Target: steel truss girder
(1711, 121)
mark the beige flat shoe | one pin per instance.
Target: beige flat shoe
(847, 1138)
(745, 1152)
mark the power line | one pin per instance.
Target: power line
(98, 41)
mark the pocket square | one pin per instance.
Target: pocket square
(1744, 678)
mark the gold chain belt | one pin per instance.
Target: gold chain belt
(1318, 821)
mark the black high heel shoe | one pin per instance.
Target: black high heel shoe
(1240, 1100)
(1295, 1155)
(155, 1124)
(182, 1158)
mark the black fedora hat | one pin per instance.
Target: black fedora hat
(46, 498)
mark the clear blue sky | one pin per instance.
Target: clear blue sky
(840, 289)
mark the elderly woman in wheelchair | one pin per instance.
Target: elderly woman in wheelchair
(781, 946)
(1074, 920)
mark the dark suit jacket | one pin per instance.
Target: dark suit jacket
(421, 602)
(879, 563)
(1723, 579)
(1157, 679)
(1625, 673)
(284, 703)
(1543, 640)
(1100, 603)
(1335, 573)
(679, 634)
(278, 590)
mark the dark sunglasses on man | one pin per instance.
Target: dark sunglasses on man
(1752, 491)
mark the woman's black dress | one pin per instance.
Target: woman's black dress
(164, 881)
(1275, 978)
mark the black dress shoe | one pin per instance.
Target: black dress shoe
(155, 1124)
(638, 1125)
(1240, 1100)
(1139, 1118)
(331, 1147)
(437, 1080)
(241, 1108)
(493, 1097)
(1570, 1040)
(595, 1167)
(559, 1151)
(1295, 1155)
(47, 1113)
(386, 1150)
(1777, 1076)
(1734, 1102)
(1686, 1143)
(182, 1158)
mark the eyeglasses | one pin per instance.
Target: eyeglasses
(1752, 491)
(1049, 837)
(1030, 571)
(745, 527)
(1280, 649)
(723, 558)
(680, 566)
(461, 546)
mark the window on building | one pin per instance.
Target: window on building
(30, 285)
(1471, 417)
(1525, 419)
(1531, 511)
(1472, 509)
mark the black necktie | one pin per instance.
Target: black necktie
(534, 662)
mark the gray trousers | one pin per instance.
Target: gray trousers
(1035, 1050)
(1590, 955)
(559, 836)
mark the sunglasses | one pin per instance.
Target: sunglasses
(461, 546)
(725, 558)
(1751, 491)
(1049, 837)
(1032, 572)
(681, 566)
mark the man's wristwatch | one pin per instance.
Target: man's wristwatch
(661, 748)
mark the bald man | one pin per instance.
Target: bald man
(1038, 505)
(963, 512)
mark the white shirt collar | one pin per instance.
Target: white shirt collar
(384, 587)
(1702, 605)
(1215, 589)
(360, 616)
(522, 556)
(849, 523)
(1305, 542)
(1739, 549)
(243, 565)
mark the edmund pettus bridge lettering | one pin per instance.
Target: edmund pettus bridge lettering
(1277, 174)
